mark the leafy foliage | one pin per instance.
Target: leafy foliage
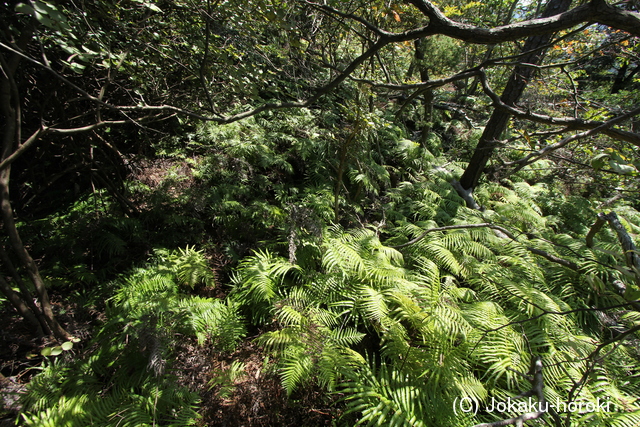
(317, 216)
(132, 351)
(456, 315)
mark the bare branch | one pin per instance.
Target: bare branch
(628, 247)
(593, 11)
(550, 257)
(595, 228)
(330, 10)
(423, 85)
(592, 127)
(537, 389)
(536, 155)
(594, 359)
(45, 130)
(56, 74)
(22, 148)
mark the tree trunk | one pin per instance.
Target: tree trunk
(11, 135)
(43, 327)
(623, 79)
(6, 212)
(427, 118)
(17, 302)
(518, 80)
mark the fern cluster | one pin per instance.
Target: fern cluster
(124, 378)
(405, 334)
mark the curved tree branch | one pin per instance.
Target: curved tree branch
(537, 390)
(595, 11)
(592, 126)
(537, 155)
(550, 257)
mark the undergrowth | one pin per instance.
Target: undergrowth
(124, 376)
(324, 226)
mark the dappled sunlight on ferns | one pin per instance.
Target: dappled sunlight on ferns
(133, 352)
(456, 314)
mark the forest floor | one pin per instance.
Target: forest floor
(20, 357)
(255, 398)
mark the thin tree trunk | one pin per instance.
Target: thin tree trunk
(11, 135)
(427, 118)
(623, 79)
(6, 212)
(26, 294)
(515, 87)
(21, 307)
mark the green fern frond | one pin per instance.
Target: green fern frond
(258, 280)
(289, 316)
(373, 304)
(192, 268)
(296, 368)
(214, 320)
(279, 340)
(443, 257)
(346, 337)
(384, 397)
(625, 419)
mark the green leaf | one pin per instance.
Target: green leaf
(24, 8)
(44, 19)
(599, 161)
(631, 294)
(77, 68)
(153, 7)
(67, 346)
(42, 8)
(620, 168)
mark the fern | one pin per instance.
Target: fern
(192, 268)
(145, 315)
(257, 282)
(224, 381)
(457, 314)
(385, 396)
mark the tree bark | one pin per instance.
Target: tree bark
(534, 49)
(626, 242)
(623, 79)
(11, 136)
(6, 212)
(17, 303)
(427, 118)
(25, 293)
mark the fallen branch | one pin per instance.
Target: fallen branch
(628, 247)
(503, 232)
(537, 387)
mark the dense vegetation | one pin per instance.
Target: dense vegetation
(286, 212)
